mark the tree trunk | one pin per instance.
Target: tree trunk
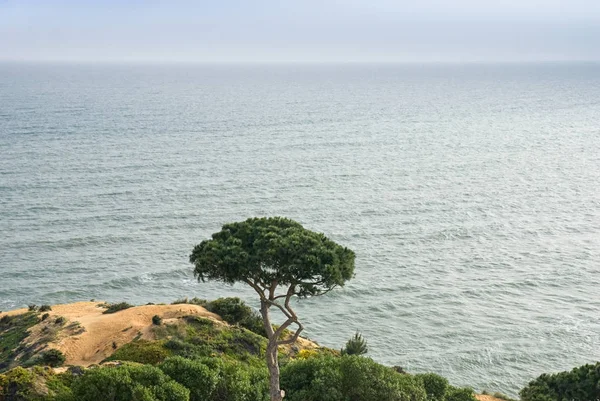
(271, 355)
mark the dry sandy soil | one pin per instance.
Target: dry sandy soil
(482, 397)
(100, 331)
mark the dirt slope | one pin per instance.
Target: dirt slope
(97, 334)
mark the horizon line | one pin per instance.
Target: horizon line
(297, 62)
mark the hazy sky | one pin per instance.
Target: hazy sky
(300, 30)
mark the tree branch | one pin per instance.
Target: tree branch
(281, 308)
(259, 290)
(294, 338)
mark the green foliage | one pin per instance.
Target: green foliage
(45, 316)
(37, 384)
(193, 301)
(202, 337)
(273, 249)
(156, 320)
(45, 308)
(13, 330)
(232, 310)
(459, 394)
(53, 358)
(141, 351)
(127, 383)
(435, 385)
(327, 378)
(197, 377)
(581, 383)
(19, 384)
(235, 311)
(32, 308)
(61, 320)
(112, 308)
(237, 381)
(357, 345)
(502, 396)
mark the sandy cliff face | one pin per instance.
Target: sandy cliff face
(88, 336)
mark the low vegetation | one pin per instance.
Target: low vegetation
(232, 310)
(357, 345)
(13, 330)
(200, 359)
(113, 308)
(579, 384)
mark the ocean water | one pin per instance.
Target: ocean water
(470, 194)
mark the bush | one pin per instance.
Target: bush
(32, 307)
(357, 345)
(459, 394)
(327, 378)
(142, 351)
(18, 384)
(126, 383)
(435, 385)
(45, 308)
(235, 311)
(156, 320)
(61, 320)
(112, 308)
(237, 381)
(197, 377)
(180, 301)
(45, 316)
(53, 358)
(581, 383)
(502, 396)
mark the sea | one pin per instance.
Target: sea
(470, 194)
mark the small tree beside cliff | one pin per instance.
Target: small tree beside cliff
(279, 259)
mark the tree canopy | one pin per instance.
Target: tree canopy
(276, 250)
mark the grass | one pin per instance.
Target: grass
(13, 330)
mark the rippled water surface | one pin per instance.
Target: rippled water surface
(470, 194)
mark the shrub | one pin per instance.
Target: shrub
(32, 307)
(52, 358)
(502, 396)
(327, 378)
(142, 351)
(435, 385)
(61, 320)
(128, 382)
(232, 310)
(237, 381)
(357, 345)
(156, 320)
(581, 383)
(197, 377)
(235, 311)
(112, 308)
(45, 316)
(459, 394)
(45, 308)
(180, 301)
(198, 301)
(18, 384)
(307, 353)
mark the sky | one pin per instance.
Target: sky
(289, 31)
